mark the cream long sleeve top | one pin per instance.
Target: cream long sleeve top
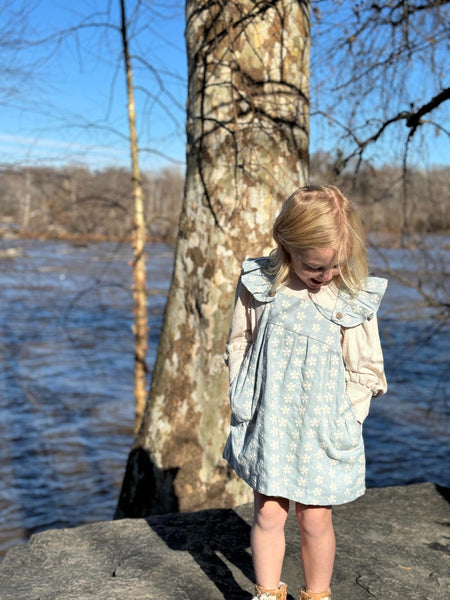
(361, 348)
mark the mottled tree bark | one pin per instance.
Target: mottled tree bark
(247, 148)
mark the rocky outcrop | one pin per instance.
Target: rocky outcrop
(391, 544)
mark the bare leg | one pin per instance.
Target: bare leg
(318, 545)
(267, 539)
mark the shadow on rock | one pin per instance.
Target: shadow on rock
(218, 540)
(444, 492)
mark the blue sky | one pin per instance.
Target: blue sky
(71, 106)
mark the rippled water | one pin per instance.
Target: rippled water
(66, 390)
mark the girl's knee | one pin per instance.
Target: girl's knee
(314, 521)
(270, 513)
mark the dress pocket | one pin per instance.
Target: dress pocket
(343, 440)
(241, 392)
(245, 388)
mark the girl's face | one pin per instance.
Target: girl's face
(315, 267)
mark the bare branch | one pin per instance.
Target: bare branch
(414, 119)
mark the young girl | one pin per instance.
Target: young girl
(305, 360)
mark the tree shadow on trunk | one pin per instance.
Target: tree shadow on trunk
(146, 489)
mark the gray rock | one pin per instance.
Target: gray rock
(391, 544)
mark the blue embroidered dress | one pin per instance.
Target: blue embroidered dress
(294, 433)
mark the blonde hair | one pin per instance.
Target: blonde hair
(320, 217)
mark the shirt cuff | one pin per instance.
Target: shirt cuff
(360, 398)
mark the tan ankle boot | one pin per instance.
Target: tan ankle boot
(265, 594)
(309, 595)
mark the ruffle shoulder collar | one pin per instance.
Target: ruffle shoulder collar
(351, 311)
(255, 278)
(348, 311)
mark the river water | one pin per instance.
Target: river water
(66, 390)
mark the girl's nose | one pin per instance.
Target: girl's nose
(327, 275)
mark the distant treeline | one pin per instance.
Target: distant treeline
(77, 203)
(388, 200)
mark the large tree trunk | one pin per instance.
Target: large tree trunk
(247, 130)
